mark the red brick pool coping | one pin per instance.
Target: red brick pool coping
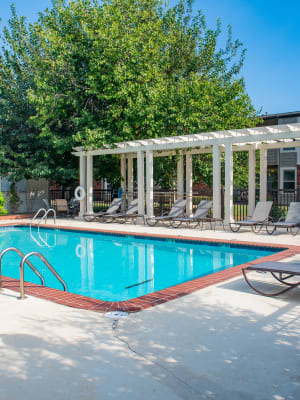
(152, 299)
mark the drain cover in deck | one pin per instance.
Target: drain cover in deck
(116, 314)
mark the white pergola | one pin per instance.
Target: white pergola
(250, 139)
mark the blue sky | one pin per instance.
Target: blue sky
(269, 30)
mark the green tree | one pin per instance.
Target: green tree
(18, 142)
(94, 74)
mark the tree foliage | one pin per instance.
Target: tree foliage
(91, 74)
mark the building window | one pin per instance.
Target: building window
(288, 178)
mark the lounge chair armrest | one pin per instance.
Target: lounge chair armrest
(281, 219)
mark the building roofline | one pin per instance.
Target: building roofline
(281, 115)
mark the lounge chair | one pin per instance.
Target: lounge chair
(199, 216)
(291, 222)
(112, 209)
(130, 213)
(284, 271)
(259, 218)
(176, 211)
(61, 207)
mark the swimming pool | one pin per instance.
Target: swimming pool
(116, 267)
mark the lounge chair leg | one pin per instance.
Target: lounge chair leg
(257, 228)
(234, 227)
(282, 279)
(291, 286)
(293, 230)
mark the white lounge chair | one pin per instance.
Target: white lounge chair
(130, 214)
(199, 216)
(259, 218)
(176, 211)
(291, 222)
(281, 271)
(112, 209)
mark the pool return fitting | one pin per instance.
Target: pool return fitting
(24, 260)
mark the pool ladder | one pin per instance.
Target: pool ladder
(24, 259)
(44, 217)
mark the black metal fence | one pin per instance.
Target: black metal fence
(61, 193)
(163, 200)
(281, 200)
(101, 198)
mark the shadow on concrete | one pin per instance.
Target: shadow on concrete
(219, 343)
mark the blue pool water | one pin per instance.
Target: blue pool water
(118, 267)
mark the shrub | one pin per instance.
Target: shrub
(14, 199)
(3, 210)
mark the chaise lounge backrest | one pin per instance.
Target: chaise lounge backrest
(115, 205)
(203, 209)
(293, 214)
(178, 208)
(133, 208)
(262, 211)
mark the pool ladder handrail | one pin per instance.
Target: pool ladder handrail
(44, 217)
(21, 268)
(22, 256)
(37, 214)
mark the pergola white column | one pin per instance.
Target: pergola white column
(89, 183)
(180, 177)
(130, 178)
(123, 180)
(251, 181)
(189, 184)
(228, 183)
(216, 181)
(263, 174)
(123, 173)
(82, 182)
(149, 183)
(140, 182)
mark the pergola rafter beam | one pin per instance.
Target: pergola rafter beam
(267, 135)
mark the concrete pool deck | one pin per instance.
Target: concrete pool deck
(222, 342)
(244, 235)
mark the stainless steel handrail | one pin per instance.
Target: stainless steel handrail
(37, 214)
(44, 217)
(22, 256)
(24, 259)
